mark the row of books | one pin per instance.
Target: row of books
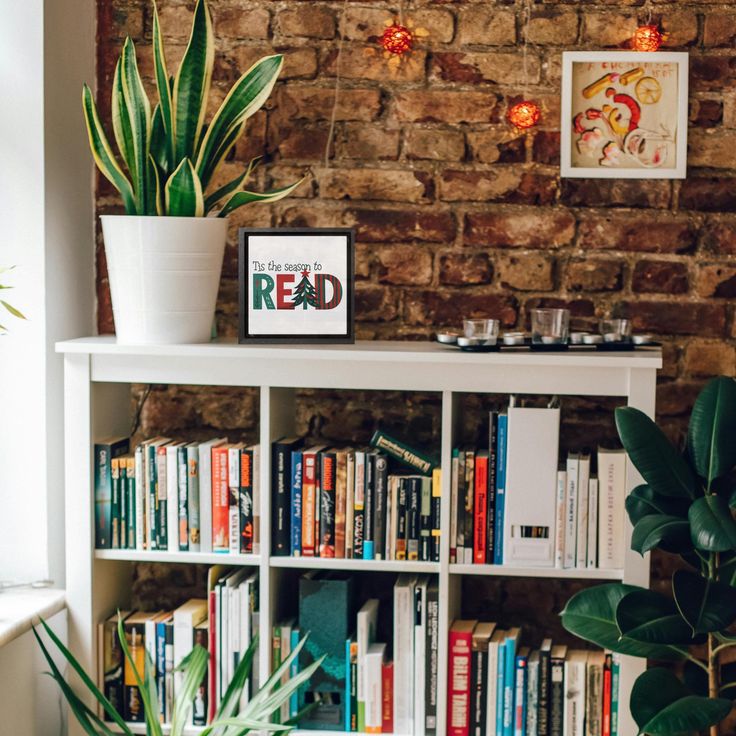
(497, 687)
(224, 624)
(177, 496)
(510, 504)
(347, 503)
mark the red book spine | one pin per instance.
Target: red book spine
(606, 725)
(481, 491)
(220, 501)
(212, 647)
(387, 697)
(458, 707)
(309, 479)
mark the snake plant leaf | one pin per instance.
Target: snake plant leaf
(591, 615)
(672, 533)
(183, 192)
(246, 97)
(233, 185)
(155, 187)
(651, 617)
(164, 88)
(102, 153)
(241, 198)
(712, 527)
(139, 115)
(220, 154)
(193, 666)
(121, 122)
(659, 463)
(643, 501)
(192, 84)
(158, 139)
(705, 604)
(712, 428)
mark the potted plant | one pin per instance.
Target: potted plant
(684, 508)
(257, 715)
(164, 256)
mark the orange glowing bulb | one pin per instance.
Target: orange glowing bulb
(397, 40)
(524, 114)
(647, 38)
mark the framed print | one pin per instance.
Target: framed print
(624, 114)
(296, 285)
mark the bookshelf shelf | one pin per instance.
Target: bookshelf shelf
(551, 573)
(98, 376)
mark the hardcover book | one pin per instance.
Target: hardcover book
(416, 460)
(281, 479)
(104, 452)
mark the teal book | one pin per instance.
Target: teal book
(500, 688)
(615, 681)
(294, 671)
(509, 681)
(348, 677)
(104, 452)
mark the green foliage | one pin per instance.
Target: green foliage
(257, 715)
(167, 156)
(684, 507)
(9, 308)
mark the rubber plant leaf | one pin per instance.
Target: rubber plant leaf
(672, 533)
(651, 617)
(712, 527)
(707, 605)
(643, 501)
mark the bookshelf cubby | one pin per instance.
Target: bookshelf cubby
(99, 374)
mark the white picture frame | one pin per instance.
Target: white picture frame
(659, 88)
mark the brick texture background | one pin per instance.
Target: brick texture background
(456, 213)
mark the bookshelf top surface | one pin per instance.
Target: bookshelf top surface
(367, 350)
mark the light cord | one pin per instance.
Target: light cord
(333, 116)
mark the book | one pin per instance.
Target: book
(493, 688)
(220, 499)
(532, 693)
(594, 693)
(412, 458)
(246, 521)
(509, 679)
(134, 628)
(432, 657)
(160, 662)
(607, 695)
(341, 493)
(104, 452)
(420, 650)
(327, 474)
(116, 504)
(491, 486)
(387, 692)
(575, 681)
(140, 500)
(560, 519)
(182, 527)
(193, 510)
(403, 648)
(352, 701)
(611, 517)
(499, 520)
(615, 683)
(557, 690)
(349, 686)
(413, 518)
(592, 558)
(186, 618)
(459, 671)
(350, 505)
(380, 506)
(296, 503)
(454, 510)
(374, 660)
(469, 502)
(402, 506)
(200, 706)
(359, 505)
(480, 505)
(309, 499)
(111, 661)
(425, 518)
(571, 510)
(206, 488)
(581, 556)
(369, 500)
(436, 515)
(233, 487)
(281, 494)
(520, 691)
(479, 677)
(367, 621)
(543, 696)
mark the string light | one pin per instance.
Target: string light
(647, 38)
(397, 39)
(525, 114)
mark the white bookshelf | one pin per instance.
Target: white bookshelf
(98, 375)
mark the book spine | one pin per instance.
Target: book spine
(500, 489)
(380, 497)
(162, 500)
(256, 500)
(458, 707)
(308, 502)
(509, 687)
(245, 521)
(233, 505)
(581, 542)
(432, 651)
(592, 560)
(115, 503)
(543, 694)
(387, 697)
(113, 666)
(281, 475)
(491, 689)
(220, 501)
(412, 530)
(200, 705)
(353, 686)
(401, 520)
(140, 503)
(104, 454)
(317, 501)
(532, 697)
(151, 503)
(560, 519)
(403, 453)
(479, 678)
(293, 672)
(296, 503)
(161, 668)
(374, 699)
(328, 461)
(403, 629)
(500, 678)
(425, 518)
(369, 506)
(205, 497)
(359, 506)
(182, 465)
(571, 512)
(350, 506)
(132, 516)
(520, 702)
(594, 700)
(491, 492)
(436, 511)
(557, 697)
(615, 682)
(454, 510)
(469, 506)
(481, 490)
(607, 696)
(133, 708)
(341, 477)
(193, 517)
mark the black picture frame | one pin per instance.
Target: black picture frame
(245, 336)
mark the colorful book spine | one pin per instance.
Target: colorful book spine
(436, 509)
(162, 498)
(359, 506)
(380, 498)
(160, 666)
(115, 486)
(469, 514)
(412, 530)
(387, 697)
(194, 518)
(353, 706)
(182, 466)
(491, 486)
(246, 520)
(132, 515)
(401, 520)
(296, 503)
(327, 474)
(220, 500)
(233, 512)
(607, 695)
(432, 654)
(498, 523)
(104, 453)
(520, 696)
(425, 518)
(460, 654)
(454, 470)
(615, 682)
(417, 461)
(309, 491)
(481, 491)
(369, 506)
(140, 500)
(341, 493)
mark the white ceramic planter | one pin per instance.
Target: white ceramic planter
(164, 275)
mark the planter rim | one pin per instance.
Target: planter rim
(158, 217)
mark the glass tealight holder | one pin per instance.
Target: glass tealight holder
(615, 330)
(484, 329)
(550, 326)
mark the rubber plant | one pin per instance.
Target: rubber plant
(167, 156)
(683, 508)
(230, 720)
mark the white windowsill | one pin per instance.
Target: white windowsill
(22, 607)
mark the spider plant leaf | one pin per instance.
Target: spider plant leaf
(139, 115)
(194, 666)
(192, 83)
(283, 693)
(121, 122)
(102, 153)
(246, 97)
(163, 86)
(230, 187)
(231, 699)
(244, 724)
(83, 676)
(183, 192)
(244, 197)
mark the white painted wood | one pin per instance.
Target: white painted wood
(98, 374)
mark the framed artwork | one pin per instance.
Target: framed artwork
(296, 285)
(624, 114)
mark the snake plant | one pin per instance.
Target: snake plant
(168, 157)
(231, 719)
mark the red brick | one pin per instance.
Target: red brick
(368, 62)
(501, 144)
(708, 194)
(526, 272)
(478, 186)
(705, 112)
(609, 29)
(593, 274)
(301, 142)
(369, 142)
(375, 303)
(677, 317)
(717, 280)
(319, 22)
(676, 398)
(719, 29)
(299, 63)
(460, 269)
(450, 308)
(715, 151)
(710, 359)
(520, 228)
(719, 236)
(419, 106)
(712, 73)
(393, 185)
(316, 103)
(404, 264)
(616, 193)
(579, 307)
(436, 144)
(476, 67)
(233, 21)
(487, 26)
(553, 27)
(438, 22)
(643, 234)
(660, 277)
(681, 27)
(365, 24)
(546, 148)
(402, 226)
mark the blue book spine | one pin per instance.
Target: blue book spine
(502, 434)
(161, 668)
(296, 503)
(367, 550)
(293, 672)
(499, 689)
(521, 697)
(347, 685)
(508, 686)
